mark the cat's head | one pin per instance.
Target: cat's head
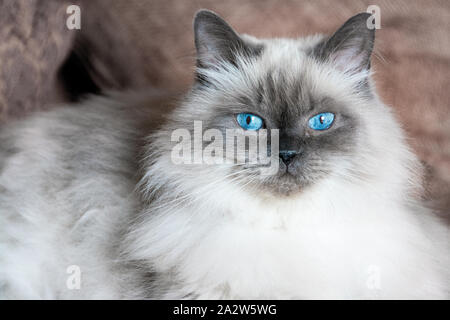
(316, 91)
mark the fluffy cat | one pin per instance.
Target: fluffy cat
(341, 218)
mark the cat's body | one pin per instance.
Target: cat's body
(350, 226)
(67, 180)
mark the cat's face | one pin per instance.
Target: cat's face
(310, 90)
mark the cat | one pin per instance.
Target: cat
(93, 205)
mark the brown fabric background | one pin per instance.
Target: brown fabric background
(139, 43)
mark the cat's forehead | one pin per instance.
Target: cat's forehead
(281, 79)
(276, 91)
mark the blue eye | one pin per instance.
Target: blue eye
(321, 121)
(249, 121)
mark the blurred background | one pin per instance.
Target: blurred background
(138, 44)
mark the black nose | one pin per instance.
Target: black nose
(287, 156)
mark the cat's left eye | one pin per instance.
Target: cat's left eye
(321, 121)
(249, 121)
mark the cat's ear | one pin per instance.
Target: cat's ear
(350, 47)
(216, 41)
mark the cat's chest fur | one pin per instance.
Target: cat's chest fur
(321, 246)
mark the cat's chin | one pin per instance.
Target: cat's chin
(283, 184)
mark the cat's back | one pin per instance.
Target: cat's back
(68, 176)
(52, 151)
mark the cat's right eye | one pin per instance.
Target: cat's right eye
(321, 121)
(249, 121)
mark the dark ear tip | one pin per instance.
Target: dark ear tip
(361, 16)
(204, 14)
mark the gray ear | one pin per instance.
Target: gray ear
(350, 47)
(216, 41)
